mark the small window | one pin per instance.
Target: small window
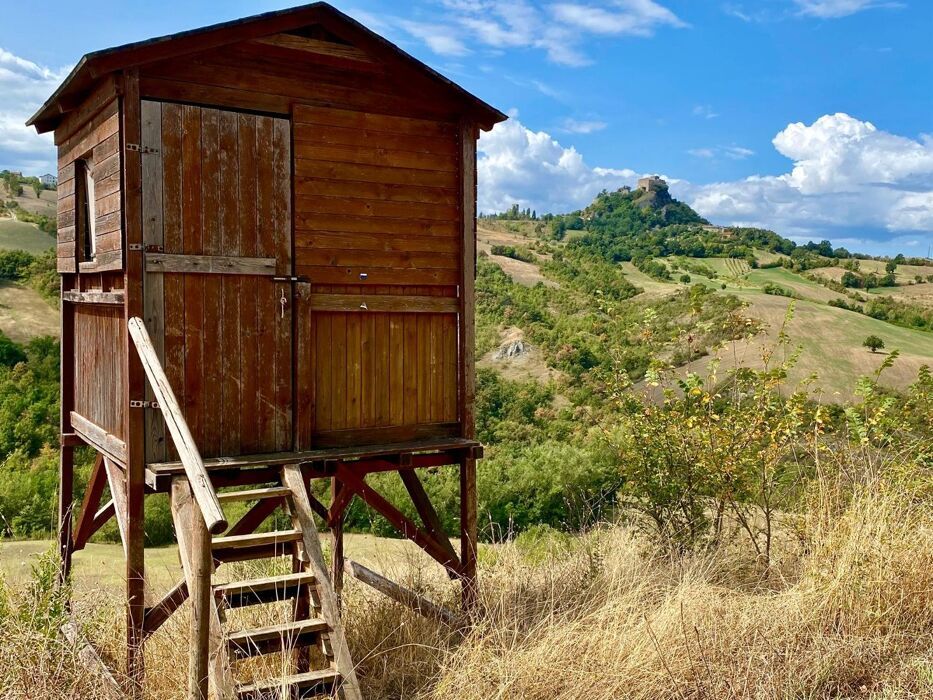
(87, 209)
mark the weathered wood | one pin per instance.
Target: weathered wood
(281, 637)
(335, 520)
(376, 303)
(92, 495)
(116, 479)
(216, 264)
(321, 682)
(429, 517)
(158, 614)
(256, 539)
(341, 454)
(207, 657)
(108, 687)
(93, 297)
(276, 492)
(468, 535)
(134, 387)
(153, 239)
(401, 523)
(400, 594)
(94, 435)
(238, 594)
(201, 486)
(293, 479)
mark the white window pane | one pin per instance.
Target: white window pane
(91, 209)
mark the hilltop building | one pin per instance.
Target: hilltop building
(49, 180)
(652, 184)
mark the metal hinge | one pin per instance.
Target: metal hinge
(142, 149)
(143, 404)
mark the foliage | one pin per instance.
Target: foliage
(510, 251)
(38, 271)
(873, 343)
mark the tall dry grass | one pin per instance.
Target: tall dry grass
(846, 613)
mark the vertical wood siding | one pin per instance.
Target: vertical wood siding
(225, 190)
(98, 366)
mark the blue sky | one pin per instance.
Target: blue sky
(805, 116)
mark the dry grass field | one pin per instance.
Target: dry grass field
(845, 611)
(24, 314)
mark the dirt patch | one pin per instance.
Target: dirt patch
(525, 273)
(518, 360)
(24, 314)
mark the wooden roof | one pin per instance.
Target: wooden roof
(94, 66)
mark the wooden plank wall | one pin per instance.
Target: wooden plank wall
(361, 370)
(100, 381)
(264, 77)
(375, 194)
(224, 190)
(98, 138)
(376, 216)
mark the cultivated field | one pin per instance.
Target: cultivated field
(18, 235)
(24, 314)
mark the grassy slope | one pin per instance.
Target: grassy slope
(18, 235)
(831, 338)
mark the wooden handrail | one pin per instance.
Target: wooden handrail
(202, 488)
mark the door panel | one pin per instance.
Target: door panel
(222, 204)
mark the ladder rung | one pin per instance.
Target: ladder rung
(256, 539)
(238, 594)
(254, 494)
(266, 640)
(324, 680)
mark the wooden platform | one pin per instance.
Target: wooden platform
(247, 469)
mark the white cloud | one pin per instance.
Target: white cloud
(705, 111)
(831, 9)
(439, 38)
(530, 168)
(738, 152)
(708, 153)
(24, 86)
(847, 175)
(585, 126)
(559, 29)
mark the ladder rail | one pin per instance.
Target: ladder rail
(204, 493)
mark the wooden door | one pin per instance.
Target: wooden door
(217, 232)
(377, 237)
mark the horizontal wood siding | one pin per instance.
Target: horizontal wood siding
(99, 370)
(99, 138)
(225, 191)
(376, 196)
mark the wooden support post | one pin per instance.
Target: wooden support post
(66, 458)
(194, 548)
(65, 507)
(425, 510)
(134, 425)
(468, 534)
(336, 529)
(467, 396)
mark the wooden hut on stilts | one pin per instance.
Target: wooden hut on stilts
(267, 252)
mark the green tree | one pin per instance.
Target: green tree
(37, 188)
(873, 343)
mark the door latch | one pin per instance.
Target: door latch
(143, 404)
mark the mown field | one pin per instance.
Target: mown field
(17, 235)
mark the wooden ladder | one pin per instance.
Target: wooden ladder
(315, 617)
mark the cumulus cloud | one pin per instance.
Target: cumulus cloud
(847, 175)
(850, 182)
(558, 29)
(831, 9)
(530, 168)
(24, 86)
